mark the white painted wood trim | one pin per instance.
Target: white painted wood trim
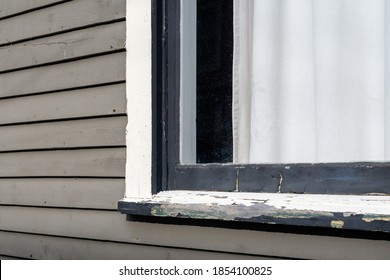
(139, 99)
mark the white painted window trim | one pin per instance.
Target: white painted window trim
(139, 99)
(139, 147)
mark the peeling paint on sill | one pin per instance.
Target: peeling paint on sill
(339, 212)
(372, 219)
(337, 224)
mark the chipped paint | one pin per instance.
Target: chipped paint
(347, 212)
(237, 180)
(337, 224)
(293, 215)
(280, 182)
(372, 219)
(158, 211)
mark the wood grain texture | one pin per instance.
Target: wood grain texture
(58, 18)
(109, 225)
(58, 248)
(355, 178)
(97, 101)
(64, 134)
(62, 192)
(108, 162)
(64, 46)
(96, 70)
(11, 7)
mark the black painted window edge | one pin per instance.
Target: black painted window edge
(168, 174)
(327, 178)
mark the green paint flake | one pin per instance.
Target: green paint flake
(295, 215)
(158, 211)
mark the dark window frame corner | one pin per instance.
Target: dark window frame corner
(359, 178)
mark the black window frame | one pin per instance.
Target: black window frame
(355, 178)
(178, 191)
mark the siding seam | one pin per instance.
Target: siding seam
(33, 9)
(151, 245)
(90, 117)
(62, 32)
(72, 59)
(64, 89)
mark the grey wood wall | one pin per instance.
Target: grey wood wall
(62, 149)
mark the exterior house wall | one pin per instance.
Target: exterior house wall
(63, 149)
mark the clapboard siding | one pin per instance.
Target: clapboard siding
(60, 18)
(70, 45)
(62, 192)
(62, 125)
(91, 71)
(110, 225)
(51, 247)
(108, 162)
(64, 134)
(96, 101)
(11, 7)
(9, 258)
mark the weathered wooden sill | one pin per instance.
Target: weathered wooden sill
(352, 212)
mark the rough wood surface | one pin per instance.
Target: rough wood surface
(96, 101)
(365, 213)
(62, 192)
(50, 247)
(91, 71)
(356, 178)
(109, 162)
(58, 18)
(64, 134)
(110, 225)
(11, 7)
(64, 46)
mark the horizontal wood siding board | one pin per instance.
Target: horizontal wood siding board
(96, 101)
(108, 162)
(9, 258)
(64, 134)
(70, 45)
(60, 18)
(62, 192)
(91, 71)
(109, 225)
(11, 7)
(51, 247)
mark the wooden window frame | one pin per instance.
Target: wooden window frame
(157, 185)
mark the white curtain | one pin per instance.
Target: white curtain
(311, 81)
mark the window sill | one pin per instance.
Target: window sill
(350, 212)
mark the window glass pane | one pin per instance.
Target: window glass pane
(214, 81)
